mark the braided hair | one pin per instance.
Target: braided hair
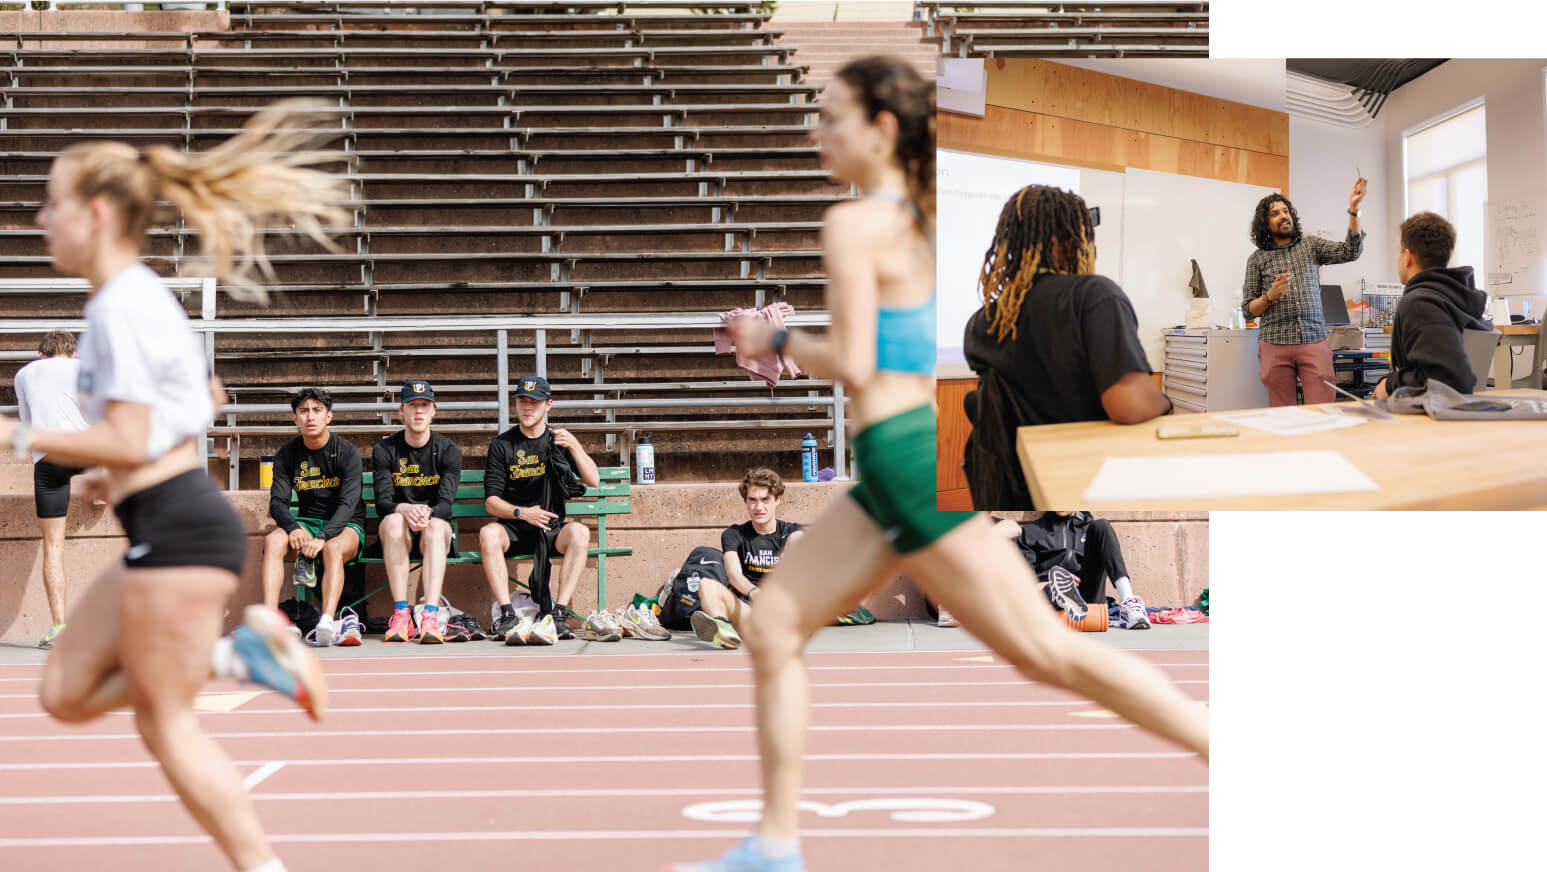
(1261, 237)
(1041, 229)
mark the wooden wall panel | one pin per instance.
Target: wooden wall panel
(1049, 88)
(1033, 136)
(951, 432)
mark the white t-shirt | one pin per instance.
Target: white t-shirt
(138, 348)
(45, 391)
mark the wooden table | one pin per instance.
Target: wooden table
(1417, 462)
(1515, 336)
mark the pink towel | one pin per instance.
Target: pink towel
(766, 366)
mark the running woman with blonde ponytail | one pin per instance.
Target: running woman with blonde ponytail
(148, 632)
(877, 133)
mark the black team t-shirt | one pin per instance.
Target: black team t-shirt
(758, 552)
(326, 483)
(516, 466)
(1076, 336)
(426, 476)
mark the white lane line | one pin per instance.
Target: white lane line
(637, 758)
(726, 833)
(263, 772)
(573, 731)
(658, 792)
(678, 670)
(619, 688)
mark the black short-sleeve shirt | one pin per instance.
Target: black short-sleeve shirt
(1076, 336)
(758, 552)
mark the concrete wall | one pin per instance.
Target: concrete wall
(1167, 553)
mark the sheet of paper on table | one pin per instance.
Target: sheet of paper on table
(1290, 420)
(1205, 476)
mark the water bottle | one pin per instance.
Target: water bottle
(808, 458)
(644, 459)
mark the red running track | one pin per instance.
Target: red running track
(916, 761)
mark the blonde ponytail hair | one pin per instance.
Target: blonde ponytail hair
(258, 178)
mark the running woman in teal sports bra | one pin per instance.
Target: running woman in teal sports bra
(877, 131)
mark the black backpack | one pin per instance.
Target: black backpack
(703, 564)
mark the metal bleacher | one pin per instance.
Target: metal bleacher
(1015, 28)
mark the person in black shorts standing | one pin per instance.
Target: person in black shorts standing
(324, 470)
(45, 395)
(417, 472)
(530, 472)
(751, 550)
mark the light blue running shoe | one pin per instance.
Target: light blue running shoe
(745, 857)
(277, 660)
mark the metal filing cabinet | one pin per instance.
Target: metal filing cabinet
(1212, 370)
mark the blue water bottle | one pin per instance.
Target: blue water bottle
(808, 458)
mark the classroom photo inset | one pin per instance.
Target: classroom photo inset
(1192, 285)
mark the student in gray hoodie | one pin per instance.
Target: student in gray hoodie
(1438, 303)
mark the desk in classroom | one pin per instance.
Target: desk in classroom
(1514, 336)
(1419, 463)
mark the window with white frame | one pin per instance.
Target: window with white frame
(1446, 166)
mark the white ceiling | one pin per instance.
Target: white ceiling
(1255, 82)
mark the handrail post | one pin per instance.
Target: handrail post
(502, 375)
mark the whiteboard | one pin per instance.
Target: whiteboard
(1170, 220)
(971, 190)
(1514, 247)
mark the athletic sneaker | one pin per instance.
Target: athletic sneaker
(1133, 615)
(745, 857)
(306, 570)
(503, 625)
(325, 635)
(561, 623)
(544, 631)
(48, 638)
(349, 628)
(601, 627)
(400, 627)
(275, 659)
(430, 632)
(716, 631)
(521, 633)
(643, 624)
(1063, 590)
(946, 619)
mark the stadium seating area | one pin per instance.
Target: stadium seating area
(1014, 28)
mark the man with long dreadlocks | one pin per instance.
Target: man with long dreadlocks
(1053, 343)
(1283, 291)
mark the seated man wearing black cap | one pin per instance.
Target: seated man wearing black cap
(530, 472)
(416, 473)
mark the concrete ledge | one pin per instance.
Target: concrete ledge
(1167, 552)
(109, 21)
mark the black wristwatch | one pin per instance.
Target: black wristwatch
(778, 340)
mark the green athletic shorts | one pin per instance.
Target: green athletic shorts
(896, 460)
(314, 526)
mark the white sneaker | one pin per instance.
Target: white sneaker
(1131, 611)
(643, 624)
(325, 634)
(601, 627)
(946, 619)
(543, 632)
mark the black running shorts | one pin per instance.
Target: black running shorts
(523, 538)
(183, 521)
(51, 488)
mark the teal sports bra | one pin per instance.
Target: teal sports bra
(905, 338)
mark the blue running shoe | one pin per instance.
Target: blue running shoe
(745, 857)
(277, 660)
(1063, 591)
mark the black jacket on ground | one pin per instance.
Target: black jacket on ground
(1436, 306)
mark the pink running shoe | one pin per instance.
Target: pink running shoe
(401, 626)
(430, 631)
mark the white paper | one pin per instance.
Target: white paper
(1290, 420)
(1193, 476)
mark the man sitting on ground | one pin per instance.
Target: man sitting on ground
(1086, 546)
(324, 471)
(417, 472)
(751, 550)
(529, 474)
(1438, 303)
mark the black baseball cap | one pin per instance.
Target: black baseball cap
(533, 386)
(417, 389)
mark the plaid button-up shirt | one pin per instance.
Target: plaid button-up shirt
(1296, 318)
